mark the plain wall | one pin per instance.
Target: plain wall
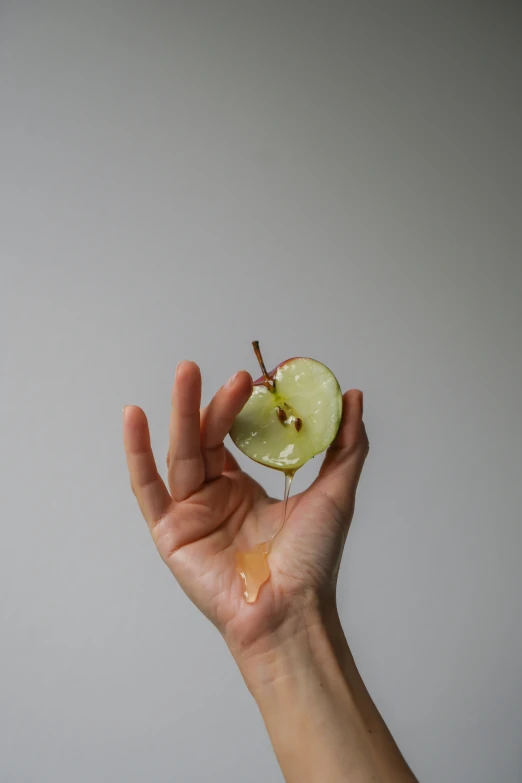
(340, 180)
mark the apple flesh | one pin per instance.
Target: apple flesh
(293, 414)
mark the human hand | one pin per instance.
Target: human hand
(212, 509)
(289, 644)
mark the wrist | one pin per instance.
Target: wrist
(309, 707)
(302, 647)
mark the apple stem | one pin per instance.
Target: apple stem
(270, 385)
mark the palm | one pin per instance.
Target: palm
(201, 524)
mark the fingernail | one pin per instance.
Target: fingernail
(231, 381)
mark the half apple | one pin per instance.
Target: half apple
(293, 414)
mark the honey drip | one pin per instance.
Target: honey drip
(253, 566)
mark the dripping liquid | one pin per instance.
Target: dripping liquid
(253, 566)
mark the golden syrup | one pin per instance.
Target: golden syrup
(253, 570)
(253, 566)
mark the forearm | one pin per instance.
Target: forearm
(392, 765)
(321, 720)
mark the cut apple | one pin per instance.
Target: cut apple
(293, 414)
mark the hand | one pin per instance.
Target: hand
(289, 644)
(214, 509)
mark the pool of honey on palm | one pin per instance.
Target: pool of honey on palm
(252, 566)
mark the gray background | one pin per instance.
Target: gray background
(337, 180)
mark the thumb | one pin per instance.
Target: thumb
(343, 464)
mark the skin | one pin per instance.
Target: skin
(289, 644)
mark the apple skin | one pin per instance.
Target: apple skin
(261, 381)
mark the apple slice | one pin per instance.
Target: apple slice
(293, 414)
